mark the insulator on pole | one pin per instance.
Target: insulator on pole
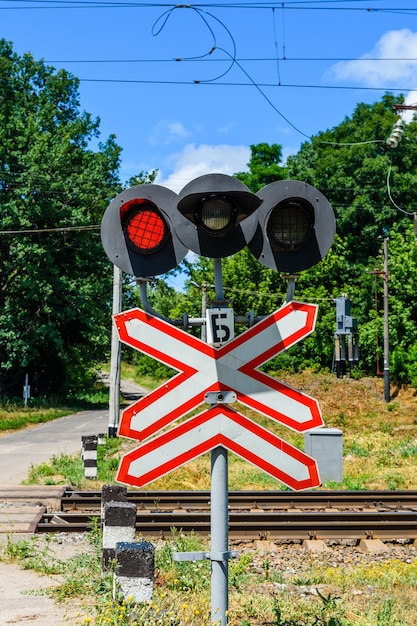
(396, 134)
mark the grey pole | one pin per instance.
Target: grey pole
(387, 395)
(219, 536)
(204, 310)
(219, 523)
(114, 390)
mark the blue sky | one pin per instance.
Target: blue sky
(249, 72)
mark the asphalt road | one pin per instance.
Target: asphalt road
(20, 450)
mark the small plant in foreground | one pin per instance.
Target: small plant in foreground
(34, 553)
(238, 570)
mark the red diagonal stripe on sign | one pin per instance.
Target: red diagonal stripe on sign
(219, 426)
(249, 367)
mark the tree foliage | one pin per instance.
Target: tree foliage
(373, 192)
(264, 166)
(55, 281)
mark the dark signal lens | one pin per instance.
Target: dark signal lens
(290, 224)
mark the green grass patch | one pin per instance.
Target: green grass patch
(15, 416)
(64, 469)
(18, 418)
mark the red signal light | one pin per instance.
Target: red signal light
(137, 232)
(145, 228)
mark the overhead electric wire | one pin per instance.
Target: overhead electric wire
(162, 20)
(390, 195)
(40, 231)
(288, 6)
(236, 84)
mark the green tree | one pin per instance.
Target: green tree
(264, 166)
(350, 165)
(55, 281)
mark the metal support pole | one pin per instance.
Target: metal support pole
(387, 395)
(219, 523)
(219, 536)
(203, 311)
(114, 391)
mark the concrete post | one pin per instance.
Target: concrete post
(119, 525)
(112, 493)
(134, 572)
(89, 455)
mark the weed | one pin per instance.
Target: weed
(357, 450)
(35, 553)
(183, 576)
(385, 613)
(407, 449)
(386, 427)
(238, 570)
(64, 469)
(394, 481)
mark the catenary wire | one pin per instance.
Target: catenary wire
(390, 195)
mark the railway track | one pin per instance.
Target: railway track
(278, 515)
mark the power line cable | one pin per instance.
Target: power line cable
(289, 6)
(222, 60)
(202, 15)
(41, 231)
(390, 195)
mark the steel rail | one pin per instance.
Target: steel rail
(248, 500)
(284, 525)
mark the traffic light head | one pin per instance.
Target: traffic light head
(137, 231)
(216, 215)
(296, 226)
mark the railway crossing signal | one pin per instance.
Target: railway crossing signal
(220, 215)
(296, 226)
(147, 230)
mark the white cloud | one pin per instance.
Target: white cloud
(411, 99)
(197, 160)
(167, 132)
(393, 46)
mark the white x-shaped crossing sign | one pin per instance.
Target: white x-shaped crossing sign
(232, 367)
(230, 371)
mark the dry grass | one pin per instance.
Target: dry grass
(379, 438)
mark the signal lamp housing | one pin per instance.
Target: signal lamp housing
(296, 226)
(216, 215)
(137, 231)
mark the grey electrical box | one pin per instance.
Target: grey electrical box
(325, 445)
